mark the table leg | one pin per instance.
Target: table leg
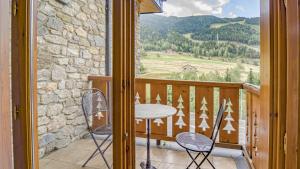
(148, 165)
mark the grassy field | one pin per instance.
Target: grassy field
(162, 65)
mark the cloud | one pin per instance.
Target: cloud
(240, 8)
(194, 7)
(232, 15)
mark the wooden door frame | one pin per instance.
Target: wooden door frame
(123, 76)
(273, 85)
(5, 115)
(293, 87)
(24, 83)
(278, 124)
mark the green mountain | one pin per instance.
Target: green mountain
(201, 35)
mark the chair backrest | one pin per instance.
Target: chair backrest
(94, 104)
(217, 125)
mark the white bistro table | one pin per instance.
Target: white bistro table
(148, 112)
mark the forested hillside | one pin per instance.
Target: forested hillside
(208, 36)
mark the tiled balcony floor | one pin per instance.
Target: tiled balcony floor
(73, 156)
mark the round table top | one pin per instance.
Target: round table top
(153, 111)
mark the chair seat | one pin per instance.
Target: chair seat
(103, 130)
(194, 141)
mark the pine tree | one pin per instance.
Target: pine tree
(228, 127)
(227, 76)
(203, 115)
(250, 78)
(180, 114)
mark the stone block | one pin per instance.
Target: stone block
(41, 152)
(81, 16)
(51, 86)
(61, 143)
(41, 85)
(79, 62)
(62, 93)
(64, 17)
(69, 84)
(63, 61)
(85, 54)
(74, 75)
(76, 93)
(73, 51)
(58, 73)
(71, 69)
(62, 85)
(56, 123)
(54, 109)
(42, 110)
(56, 39)
(54, 49)
(79, 120)
(80, 131)
(43, 74)
(42, 130)
(49, 98)
(46, 139)
(81, 32)
(71, 109)
(55, 23)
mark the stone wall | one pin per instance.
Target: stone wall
(71, 46)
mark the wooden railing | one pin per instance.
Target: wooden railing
(253, 115)
(187, 96)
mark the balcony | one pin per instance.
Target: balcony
(237, 140)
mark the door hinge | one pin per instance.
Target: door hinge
(15, 7)
(16, 112)
(285, 143)
(126, 136)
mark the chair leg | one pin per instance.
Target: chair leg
(92, 155)
(203, 160)
(193, 158)
(101, 153)
(209, 162)
(99, 150)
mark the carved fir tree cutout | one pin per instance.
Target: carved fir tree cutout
(99, 115)
(180, 122)
(137, 101)
(158, 121)
(137, 98)
(228, 127)
(203, 115)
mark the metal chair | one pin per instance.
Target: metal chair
(94, 104)
(194, 142)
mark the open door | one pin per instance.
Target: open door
(23, 83)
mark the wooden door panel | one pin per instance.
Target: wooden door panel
(204, 110)
(181, 100)
(229, 131)
(159, 96)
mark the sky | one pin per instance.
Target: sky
(220, 8)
